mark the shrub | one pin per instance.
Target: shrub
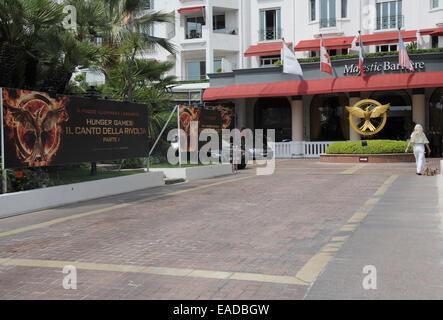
(373, 147)
(133, 163)
(28, 179)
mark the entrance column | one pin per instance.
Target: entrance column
(240, 112)
(297, 118)
(418, 106)
(354, 97)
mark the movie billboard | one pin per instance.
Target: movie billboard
(217, 117)
(41, 130)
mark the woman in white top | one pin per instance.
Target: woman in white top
(419, 140)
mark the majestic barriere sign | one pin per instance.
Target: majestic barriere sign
(379, 67)
(41, 130)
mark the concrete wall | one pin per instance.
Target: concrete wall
(38, 199)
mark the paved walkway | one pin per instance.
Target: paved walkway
(304, 232)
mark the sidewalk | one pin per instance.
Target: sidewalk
(402, 237)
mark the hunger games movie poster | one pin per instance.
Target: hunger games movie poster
(41, 130)
(217, 117)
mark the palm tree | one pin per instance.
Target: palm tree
(125, 35)
(36, 52)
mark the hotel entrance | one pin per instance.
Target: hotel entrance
(329, 117)
(399, 125)
(274, 113)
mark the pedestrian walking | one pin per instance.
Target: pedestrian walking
(419, 140)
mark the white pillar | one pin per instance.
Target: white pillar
(353, 135)
(297, 118)
(179, 66)
(418, 106)
(209, 49)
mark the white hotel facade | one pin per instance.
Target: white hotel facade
(234, 44)
(217, 33)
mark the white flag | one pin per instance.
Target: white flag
(290, 62)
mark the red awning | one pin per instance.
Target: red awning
(192, 9)
(432, 32)
(266, 49)
(330, 43)
(320, 86)
(387, 38)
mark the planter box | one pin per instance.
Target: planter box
(38, 199)
(195, 173)
(368, 158)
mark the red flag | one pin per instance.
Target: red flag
(325, 61)
(361, 59)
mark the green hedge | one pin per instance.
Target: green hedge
(372, 54)
(373, 147)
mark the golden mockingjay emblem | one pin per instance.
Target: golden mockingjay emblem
(368, 109)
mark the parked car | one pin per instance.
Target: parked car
(226, 155)
(262, 151)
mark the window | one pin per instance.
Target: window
(327, 13)
(332, 52)
(149, 4)
(270, 24)
(344, 8)
(312, 9)
(194, 26)
(218, 23)
(217, 64)
(196, 70)
(268, 61)
(389, 14)
(434, 4)
(386, 48)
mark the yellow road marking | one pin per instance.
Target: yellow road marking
(119, 206)
(386, 185)
(176, 272)
(314, 266)
(312, 269)
(353, 169)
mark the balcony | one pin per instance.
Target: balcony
(390, 22)
(270, 34)
(193, 34)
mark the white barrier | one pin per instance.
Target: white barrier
(39, 199)
(300, 149)
(195, 173)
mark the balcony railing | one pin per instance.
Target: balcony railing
(390, 22)
(328, 23)
(193, 34)
(270, 34)
(232, 31)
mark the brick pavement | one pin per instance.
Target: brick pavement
(264, 225)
